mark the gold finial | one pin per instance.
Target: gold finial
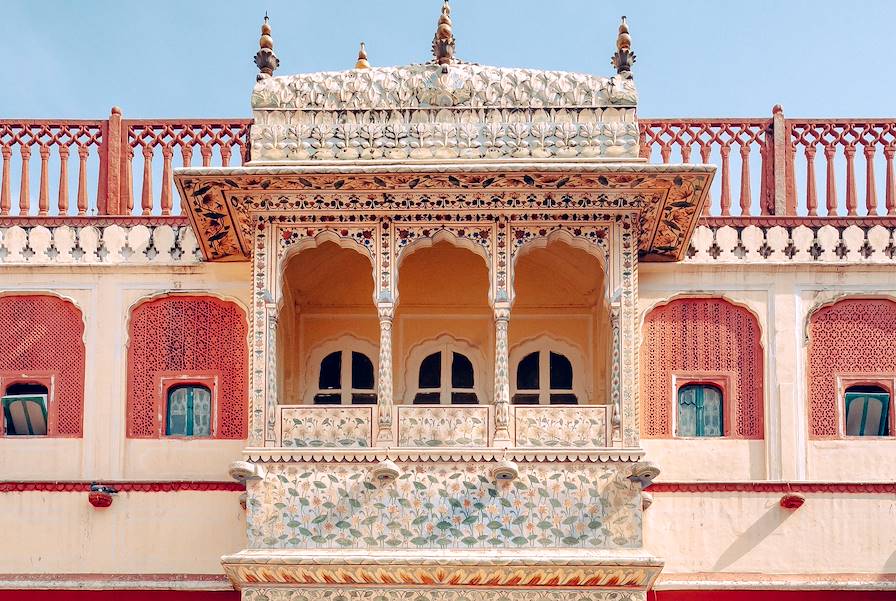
(624, 58)
(623, 40)
(443, 41)
(362, 58)
(265, 59)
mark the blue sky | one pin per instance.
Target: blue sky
(179, 58)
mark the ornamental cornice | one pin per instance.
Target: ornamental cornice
(223, 203)
(453, 454)
(563, 569)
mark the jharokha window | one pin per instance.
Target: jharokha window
(346, 377)
(700, 411)
(446, 377)
(866, 411)
(544, 378)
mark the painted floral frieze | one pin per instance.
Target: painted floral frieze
(445, 505)
(555, 426)
(416, 594)
(325, 427)
(443, 426)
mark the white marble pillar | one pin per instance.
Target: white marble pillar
(502, 375)
(386, 435)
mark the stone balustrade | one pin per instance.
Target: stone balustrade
(557, 427)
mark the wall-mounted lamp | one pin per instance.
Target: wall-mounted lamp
(506, 470)
(241, 471)
(644, 473)
(100, 496)
(792, 501)
(385, 471)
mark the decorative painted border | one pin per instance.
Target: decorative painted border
(713, 581)
(132, 486)
(116, 582)
(422, 573)
(436, 454)
(776, 487)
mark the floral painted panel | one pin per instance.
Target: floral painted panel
(445, 505)
(555, 426)
(442, 426)
(398, 594)
(325, 426)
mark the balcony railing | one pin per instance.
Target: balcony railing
(427, 426)
(767, 166)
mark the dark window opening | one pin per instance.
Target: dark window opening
(331, 372)
(561, 372)
(362, 372)
(431, 371)
(527, 372)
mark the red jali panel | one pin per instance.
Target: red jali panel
(852, 336)
(705, 335)
(191, 334)
(46, 333)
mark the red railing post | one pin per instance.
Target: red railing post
(108, 197)
(780, 143)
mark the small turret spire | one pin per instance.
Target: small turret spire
(443, 41)
(265, 59)
(362, 58)
(624, 58)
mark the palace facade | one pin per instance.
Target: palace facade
(448, 332)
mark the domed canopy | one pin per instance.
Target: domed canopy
(430, 111)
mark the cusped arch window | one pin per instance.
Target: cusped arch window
(866, 411)
(446, 377)
(544, 377)
(346, 377)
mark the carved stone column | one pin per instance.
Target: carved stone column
(271, 398)
(386, 436)
(502, 374)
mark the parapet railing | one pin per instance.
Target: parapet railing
(113, 166)
(767, 166)
(785, 167)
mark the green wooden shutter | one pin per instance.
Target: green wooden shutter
(867, 413)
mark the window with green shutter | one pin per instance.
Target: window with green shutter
(25, 410)
(189, 411)
(700, 411)
(867, 411)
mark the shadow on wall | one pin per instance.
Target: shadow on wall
(752, 536)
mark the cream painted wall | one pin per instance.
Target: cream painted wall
(104, 296)
(140, 533)
(781, 296)
(750, 533)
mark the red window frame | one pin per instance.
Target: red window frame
(166, 380)
(46, 378)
